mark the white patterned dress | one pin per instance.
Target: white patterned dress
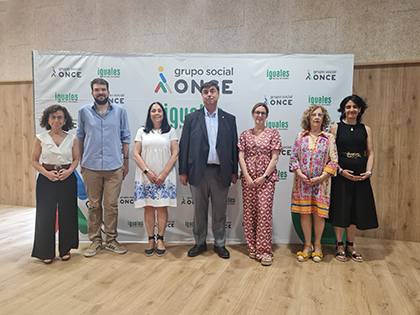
(155, 152)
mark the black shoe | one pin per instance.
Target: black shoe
(197, 250)
(221, 251)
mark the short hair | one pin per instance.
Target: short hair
(306, 117)
(51, 110)
(258, 105)
(99, 81)
(164, 127)
(359, 103)
(210, 84)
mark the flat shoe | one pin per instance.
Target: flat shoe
(317, 257)
(304, 257)
(266, 261)
(252, 255)
(160, 252)
(66, 257)
(355, 256)
(48, 261)
(149, 252)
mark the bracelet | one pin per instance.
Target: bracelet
(146, 170)
(126, 157)
(340, 170)
(369, 172)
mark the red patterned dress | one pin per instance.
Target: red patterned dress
(258, 202)
(313, 158)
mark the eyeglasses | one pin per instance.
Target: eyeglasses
(260, 113)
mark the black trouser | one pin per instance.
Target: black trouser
(49, 196)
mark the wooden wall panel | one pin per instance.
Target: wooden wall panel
(392, 94)
(17, 177)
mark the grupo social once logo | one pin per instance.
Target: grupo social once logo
(185, 80)
(66, 72)
(321, 75)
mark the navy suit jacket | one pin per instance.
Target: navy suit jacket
(194, 147)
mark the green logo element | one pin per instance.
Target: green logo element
(68, 97)
(109, 72)
(278, 74)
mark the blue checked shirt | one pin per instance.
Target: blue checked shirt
(102, 136)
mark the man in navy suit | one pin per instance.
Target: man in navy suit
(208, 161)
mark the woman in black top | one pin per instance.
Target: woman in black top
(352, 204)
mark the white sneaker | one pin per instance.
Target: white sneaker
(93, 248)
(116, 247)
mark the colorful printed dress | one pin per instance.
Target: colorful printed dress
(155, 152)
(313, 158)
(258, 202)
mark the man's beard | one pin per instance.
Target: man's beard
(101, 102)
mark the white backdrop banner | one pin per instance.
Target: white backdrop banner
(287, 83)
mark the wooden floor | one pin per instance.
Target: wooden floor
(387, 282)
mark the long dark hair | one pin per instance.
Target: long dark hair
(164, 127)
(359, 103)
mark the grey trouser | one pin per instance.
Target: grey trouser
(211, 188)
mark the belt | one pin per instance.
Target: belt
(351, 155)
(213, 165)
(55, 167)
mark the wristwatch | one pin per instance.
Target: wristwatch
(265, 176)
(146, 170)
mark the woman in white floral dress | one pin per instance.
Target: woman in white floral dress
(155, 152)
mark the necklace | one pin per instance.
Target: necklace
(351, 126)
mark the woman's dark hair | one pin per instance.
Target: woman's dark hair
(358, 101)
(51, 110)
(164, 127)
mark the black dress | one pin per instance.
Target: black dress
(352, 202)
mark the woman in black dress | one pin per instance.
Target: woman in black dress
(352, 204)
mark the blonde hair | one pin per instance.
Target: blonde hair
(306, 117)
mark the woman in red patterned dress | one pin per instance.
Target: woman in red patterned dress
(259, 150)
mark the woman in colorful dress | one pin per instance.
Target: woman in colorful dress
(56, 186)
(313, 160)
(259, 149)
(155, 152)
(352, 203)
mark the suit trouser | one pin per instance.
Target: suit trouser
(49, 196)
(103, 186)
(211, 188)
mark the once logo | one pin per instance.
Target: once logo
(126, 200)
(75, 73)
(187, 201)
(322, 75)
(287, 150)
